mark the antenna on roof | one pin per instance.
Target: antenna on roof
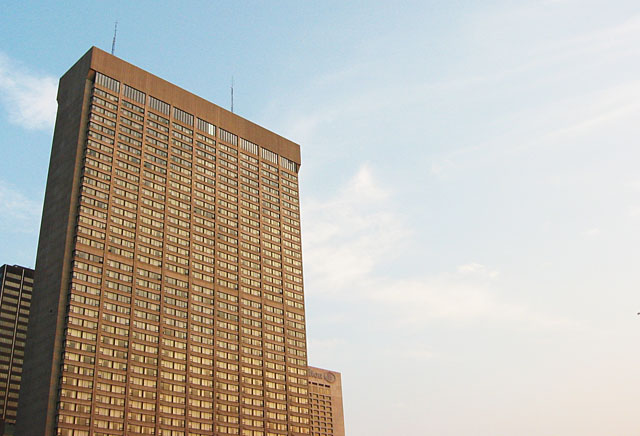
(115, 32)
(231, 94)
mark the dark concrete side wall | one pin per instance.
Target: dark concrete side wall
(38, 391)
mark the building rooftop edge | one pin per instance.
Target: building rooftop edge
(324, 369)
(185, 100)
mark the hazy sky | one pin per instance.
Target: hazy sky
(470, 187)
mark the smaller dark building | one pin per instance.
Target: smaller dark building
(16, 284)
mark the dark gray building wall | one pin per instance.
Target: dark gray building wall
(37, 404)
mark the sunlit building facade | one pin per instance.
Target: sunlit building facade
(325, 396)
(168, 294)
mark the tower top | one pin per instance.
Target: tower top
(115, 33)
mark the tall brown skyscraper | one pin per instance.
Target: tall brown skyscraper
(168, 292)
(16, 284)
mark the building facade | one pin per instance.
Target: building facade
(168, 294)
(325, 396)
(16, 285)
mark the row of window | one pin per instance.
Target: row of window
(182, 116)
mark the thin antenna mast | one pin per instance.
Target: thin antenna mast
(231, 94)
(115, 33)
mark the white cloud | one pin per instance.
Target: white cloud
(349, 242)
(594, 231)
(414, 353)
(349, 234)
(28, 98)
(19, 213)
(476, 268)
(561, 124)
(558, 115)
(457, 297)
(617, 39)
(634, 211)
(325, 347)
(594, 111)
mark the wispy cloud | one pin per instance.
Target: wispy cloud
(351, 238)
(556, 115)
(350, 233)
(28, 98)
(326, 347)
(476, 268)
(592, 232)
(19, 213)
(562, 124)
(415, 353)
(616, 39)
(458, 297)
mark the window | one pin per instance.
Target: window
(107, 82)
(206, 127)
(288, 164)
(158, 105)
(269, 155)
(248, 146)
(228, 137)
(134, 94)
(183, 116)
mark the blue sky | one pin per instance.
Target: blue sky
(470, 186)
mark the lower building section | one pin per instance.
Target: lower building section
(325, 401)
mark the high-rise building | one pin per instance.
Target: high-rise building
(16, 284)
(168, 293)
(325, 395)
